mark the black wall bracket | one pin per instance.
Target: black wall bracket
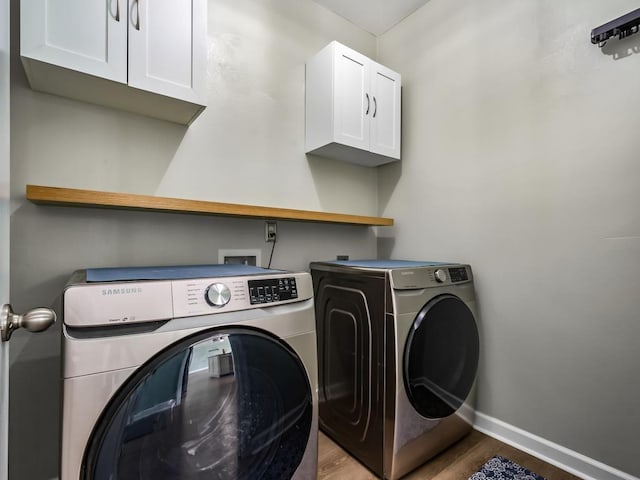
(621, 27)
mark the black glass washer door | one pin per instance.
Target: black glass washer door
(441, 357)
(229, 404)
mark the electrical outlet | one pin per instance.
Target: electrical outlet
(270, 231)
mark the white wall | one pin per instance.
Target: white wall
(520, 157)
(247, 147)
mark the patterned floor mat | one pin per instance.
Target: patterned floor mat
(500, 468)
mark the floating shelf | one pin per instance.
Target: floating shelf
(72, 197)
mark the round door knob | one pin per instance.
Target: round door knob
(217, 295)
(440, 275)
(36, 320)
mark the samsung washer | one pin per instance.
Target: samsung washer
(398, 350)
(189, 373)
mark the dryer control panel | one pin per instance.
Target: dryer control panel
(426, 277)
(458, 274)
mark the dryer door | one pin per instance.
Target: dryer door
(225, 404)
(441, 357)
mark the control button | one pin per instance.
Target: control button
(440, 275)
(217, 295)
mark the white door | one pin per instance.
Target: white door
(353, 104)
(90, 37)
(385, 118)
(4, 229)
(167, 47)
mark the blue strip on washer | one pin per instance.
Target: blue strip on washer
(173, 272)
(386, 263)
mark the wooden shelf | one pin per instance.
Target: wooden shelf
(72, 197)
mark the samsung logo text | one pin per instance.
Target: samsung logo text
(121, 291)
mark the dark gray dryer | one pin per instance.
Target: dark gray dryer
(398, 350)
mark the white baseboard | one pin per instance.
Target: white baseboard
(568, 460)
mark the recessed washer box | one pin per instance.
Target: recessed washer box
(240, 256)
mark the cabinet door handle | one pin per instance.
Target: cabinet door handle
(375, 107)
(138, 15)
(117, 10)
(368, 104)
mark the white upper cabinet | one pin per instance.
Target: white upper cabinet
(353, 108)
(86, 36)
(163, 54)
(352, 99)
(144, 57)
(385, 118)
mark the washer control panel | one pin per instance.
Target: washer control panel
(270, 290)
(201, 296)
(109, 303)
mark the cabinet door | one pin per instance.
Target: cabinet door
(167, 47)
(352, 99)
(385, 115)
(87, 36)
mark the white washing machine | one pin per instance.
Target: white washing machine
(398, 350)
(185, 373)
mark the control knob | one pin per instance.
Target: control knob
(217, 295)
(440, 275)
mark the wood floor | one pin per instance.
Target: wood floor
(457, 463)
